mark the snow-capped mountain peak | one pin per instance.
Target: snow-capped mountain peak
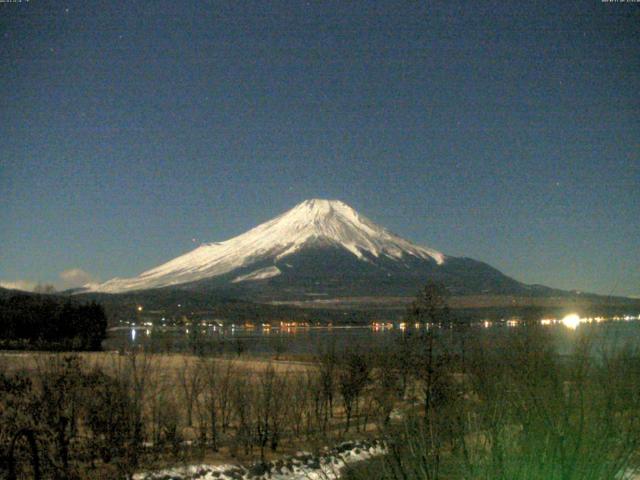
(330, 222)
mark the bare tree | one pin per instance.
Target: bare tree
(300, 390)
(134, 371)
(243, 403)
(60, 380)
(213, 390)
(189, 379)
(353, 377)
(387, 383)
(327, 380)
(266, 410)
(225, 394)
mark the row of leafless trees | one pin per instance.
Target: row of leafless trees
(117, 412)
(515, 409)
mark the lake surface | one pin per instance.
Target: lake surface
(603, 333)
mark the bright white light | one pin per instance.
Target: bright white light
(571, 321)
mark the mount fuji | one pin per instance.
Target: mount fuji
(318, 248)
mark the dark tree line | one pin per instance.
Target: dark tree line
(33, 321)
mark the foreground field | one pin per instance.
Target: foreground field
(169, 363)
(476, 407)
(136, 410)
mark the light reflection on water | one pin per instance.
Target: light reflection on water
(608, 332)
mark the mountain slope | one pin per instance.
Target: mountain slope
(319, 248)
(311, 224)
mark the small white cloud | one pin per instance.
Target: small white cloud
(23, 285)
(71, 278)
(75, 277)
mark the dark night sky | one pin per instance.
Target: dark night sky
(504, 131)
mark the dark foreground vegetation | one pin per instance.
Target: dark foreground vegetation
(51, 323)
(519, 412)
(506, 407)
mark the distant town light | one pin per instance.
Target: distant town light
(571, 321)
(139, 308)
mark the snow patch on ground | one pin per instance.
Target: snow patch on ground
(303, 465)
(261, 274)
